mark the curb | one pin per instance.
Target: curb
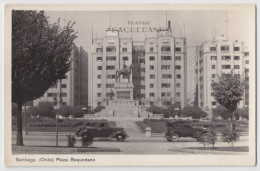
(58, 150)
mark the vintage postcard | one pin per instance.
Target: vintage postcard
(130, 85)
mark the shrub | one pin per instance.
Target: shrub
(230, 137)
(193, 111)
(71, 141)
(87, 141)
(209, 138)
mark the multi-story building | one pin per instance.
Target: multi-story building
(214, 58)
(73, 89)
(159, 74)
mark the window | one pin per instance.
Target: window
(124, 49)
(166, 85)
(213, 66)
(178, 76)
(226, 58)
(178, 85)
(165, 48)
(246, 53)
(99, 67)
(213, 103)
(164, 58)
(125, 58)
(212, 49)
(165, 67)
(236, 66)
(98, 76)
(151, 58)
(49, 95)
(99, 50)
(151, 85)
(99, 58)
(64, 85)
(142, 78)
(178, 58)
(99, 94)
(151, 94)
(236, 48)
(224, 48)
(226, 66)
(111, 76)
(212, 84)
(63, 103)
(151, 49)
(178, 94)
(163, 94)
(99, 86)
(63, 94)
(99, 103)
(213, 58)
(213, 75)
(111, 49)
(111, 58)
(166, 76)
(177, 67)
(110, 67)
(177, 49)
(151, 67)
(151, 103)
(211, 94)
(152, 76)
(168, 94)
(236, 57)
(247, 61)
(55, 86)
(246, 70)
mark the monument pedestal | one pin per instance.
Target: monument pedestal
(124, 90)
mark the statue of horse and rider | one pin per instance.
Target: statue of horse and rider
(125, 71)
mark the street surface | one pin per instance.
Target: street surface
(137, 143)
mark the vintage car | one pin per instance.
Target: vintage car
(104, 129)
(182, 128)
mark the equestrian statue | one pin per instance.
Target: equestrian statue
(125, 71)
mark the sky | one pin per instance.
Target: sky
(196, 26)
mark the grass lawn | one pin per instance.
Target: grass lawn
(231, 149)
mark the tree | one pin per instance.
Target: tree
(244, 112)
(40, 56)
(65, 111)
(155, 109)
(228, 90)
(14, 110)
(175, 109)
(221, 111)
(33, 111)
(46, 109)
(193, 111)
(77, 111)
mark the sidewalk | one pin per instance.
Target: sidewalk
(59, 150)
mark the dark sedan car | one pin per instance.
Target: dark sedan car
(103, 129)
(182, 128)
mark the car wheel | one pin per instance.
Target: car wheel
(120, 137)
(173, 137)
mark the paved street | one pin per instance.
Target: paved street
(137, 143)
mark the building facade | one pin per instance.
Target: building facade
(159, 70)
(214, 58)
(73, 89)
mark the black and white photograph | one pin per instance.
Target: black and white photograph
(130, 83)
